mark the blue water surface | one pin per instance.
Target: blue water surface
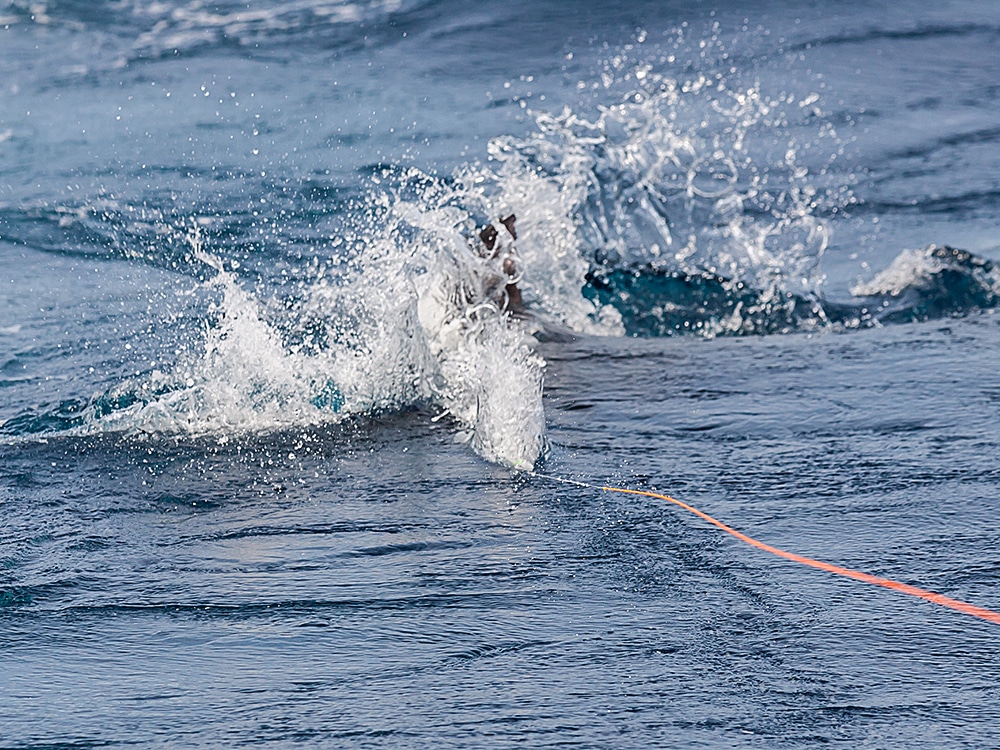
(250, 497)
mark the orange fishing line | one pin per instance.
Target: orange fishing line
(944, 601)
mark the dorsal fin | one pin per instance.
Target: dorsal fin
(509, 223)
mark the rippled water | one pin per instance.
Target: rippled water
(265, 401)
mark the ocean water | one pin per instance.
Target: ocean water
(282, 456)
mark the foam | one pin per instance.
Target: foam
(395, 338)
(909, 268)
(415, 315)
(641, 184)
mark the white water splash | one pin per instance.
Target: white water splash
(918, 269)
(418, 317)
(692, 175)
(909, 268)
(413, 325)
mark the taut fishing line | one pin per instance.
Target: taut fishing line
(939, 599)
